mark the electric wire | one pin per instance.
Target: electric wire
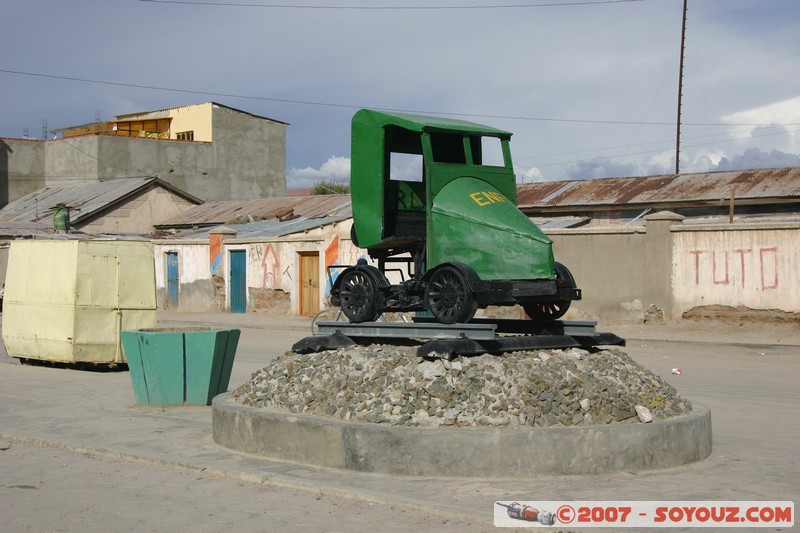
(388, 109)
(394, 7)
(646, 152)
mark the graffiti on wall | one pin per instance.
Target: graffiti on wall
(268, 257)
(215, 254)
(754, 267)
(331, 258)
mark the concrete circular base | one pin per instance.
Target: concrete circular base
(461, 451)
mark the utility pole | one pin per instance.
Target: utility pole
(680, 92)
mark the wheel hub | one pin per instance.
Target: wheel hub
(358, 295)
(449, 295)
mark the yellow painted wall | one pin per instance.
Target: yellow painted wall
(196, 118)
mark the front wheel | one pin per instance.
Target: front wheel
(555, 309)
(449, 297)
(359, 297)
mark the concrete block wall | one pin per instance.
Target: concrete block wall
(676, 267)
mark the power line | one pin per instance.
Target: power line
(389, 109)
(645, 152)
(391, 8)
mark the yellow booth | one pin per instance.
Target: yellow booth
(68, 300)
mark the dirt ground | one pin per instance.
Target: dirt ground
(744, 371)
(721, 314)
(729, 330)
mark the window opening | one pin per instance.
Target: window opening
(405, 167)
(448, 148)
(487, 151)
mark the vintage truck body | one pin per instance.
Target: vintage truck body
(440, 196)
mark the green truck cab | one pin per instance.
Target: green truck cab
(439, 195)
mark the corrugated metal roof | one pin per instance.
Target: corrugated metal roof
(696, 187)
(83, 200)
(268, 229)
(229, 212)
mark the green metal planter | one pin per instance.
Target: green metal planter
(179, 366)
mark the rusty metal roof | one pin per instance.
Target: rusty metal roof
(283, 209)
(683, 188)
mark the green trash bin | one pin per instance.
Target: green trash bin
(179, 366)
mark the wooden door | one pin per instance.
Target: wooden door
(309, 284)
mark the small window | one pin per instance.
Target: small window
(405, 167)
(185, 136)
(491, 153)
(448, 148)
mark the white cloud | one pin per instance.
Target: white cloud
(529, 175)
(336, 168)
(783, 112)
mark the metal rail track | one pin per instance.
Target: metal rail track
(449, 340)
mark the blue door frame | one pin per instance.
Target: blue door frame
(238, 281)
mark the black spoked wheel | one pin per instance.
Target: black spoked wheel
(359, 297)
(449, 297)
(552, 310)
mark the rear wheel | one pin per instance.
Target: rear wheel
(555, 309)
(359, 297)
(449, 297)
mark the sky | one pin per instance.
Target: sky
(588, 87)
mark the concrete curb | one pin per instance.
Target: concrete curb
(461, 452)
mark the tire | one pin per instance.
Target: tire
(555, 309)
(359, 297)
(449, 297)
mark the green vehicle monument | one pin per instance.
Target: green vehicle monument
(439, 196)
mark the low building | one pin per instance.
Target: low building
(259, 255)
(119, 207)
(132, 206)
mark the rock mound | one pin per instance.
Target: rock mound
(391, 385)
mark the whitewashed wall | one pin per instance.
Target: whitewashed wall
(192, 262)
(751, 266)
(276, 264)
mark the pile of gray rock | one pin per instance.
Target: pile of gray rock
(390, 385)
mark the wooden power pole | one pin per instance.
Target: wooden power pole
(680, 92)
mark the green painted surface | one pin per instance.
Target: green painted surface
(177, 367)
(463, 205)
(209, 360)
(133, 354)
(376, 134)
(477, 224)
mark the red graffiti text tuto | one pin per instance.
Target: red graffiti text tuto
(728, 267)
